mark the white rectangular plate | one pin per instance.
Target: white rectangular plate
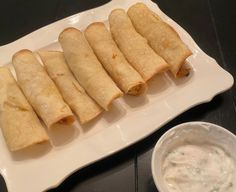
(130, 120)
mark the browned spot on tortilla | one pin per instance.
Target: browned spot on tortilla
(114, 56)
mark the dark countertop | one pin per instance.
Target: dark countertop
(211, 23)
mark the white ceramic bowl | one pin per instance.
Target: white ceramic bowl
(193, 132)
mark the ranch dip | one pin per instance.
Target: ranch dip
(199, 168)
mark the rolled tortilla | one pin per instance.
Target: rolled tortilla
(20, 125)
(87, 69)
(40, 90)
(161, 37)
(125, 76)
(134, 47)
(76, 97)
